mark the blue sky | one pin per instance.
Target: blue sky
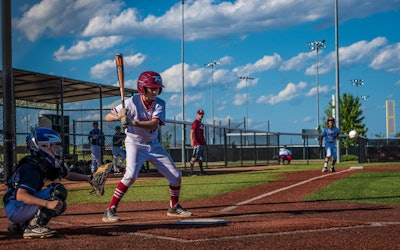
(264, 39)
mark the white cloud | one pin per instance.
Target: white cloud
(243, 83)
(204, 19)
(62, 17)
(290, 92)
(263, 64)
(362, 51)
(239, 99)
(356, 53)
(176, 99)
(124, 23)
(86, 48)
(107, 70)
(307, 119)
(194, 76)
(226, 60)
(388, 59)
(297, 62)
(322, 90)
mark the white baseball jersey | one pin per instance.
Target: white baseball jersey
(136, 111)
(143, 144)
(284, 151)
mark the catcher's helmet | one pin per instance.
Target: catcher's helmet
(149, 79)
(331, 119)
(44, 142)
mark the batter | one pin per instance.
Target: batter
(143, 115)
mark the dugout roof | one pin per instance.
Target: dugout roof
(43, 88)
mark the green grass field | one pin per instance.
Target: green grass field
(367, 187)
(364, 187)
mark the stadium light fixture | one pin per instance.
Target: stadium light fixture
(357, 82)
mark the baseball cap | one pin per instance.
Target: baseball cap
(200, 111)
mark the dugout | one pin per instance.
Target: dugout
(44, 91)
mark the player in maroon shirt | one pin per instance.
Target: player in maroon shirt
(197, 141)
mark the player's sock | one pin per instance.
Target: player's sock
(201, 166)
(191, 167)
(119, 192)
(326, 162)
(174, 195)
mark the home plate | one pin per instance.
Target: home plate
(356, 168)
(202, 222)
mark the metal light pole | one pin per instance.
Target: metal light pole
(357, 82)
(247, 97)
(337, 76)
(317, 45)
(183, 87)
(365, 98)
(212, 65)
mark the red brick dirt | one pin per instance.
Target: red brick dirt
(267, 216)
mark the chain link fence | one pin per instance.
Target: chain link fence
(228, 144)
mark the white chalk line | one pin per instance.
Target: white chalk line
(230, 208)
(370, 225)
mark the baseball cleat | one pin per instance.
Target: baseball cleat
(325, 170)
(32, 232)
(178, 211)
(110, 215)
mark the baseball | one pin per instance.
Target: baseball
(353, 134)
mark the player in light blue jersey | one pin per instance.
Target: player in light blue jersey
(330, 133)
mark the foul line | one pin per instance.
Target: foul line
(230, 208)
(302, 231)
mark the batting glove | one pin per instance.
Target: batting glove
(122, 113)
(125, 121)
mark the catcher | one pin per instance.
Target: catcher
(28, 205)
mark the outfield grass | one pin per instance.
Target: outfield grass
(365, 187)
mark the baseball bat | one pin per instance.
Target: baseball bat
(119, 63)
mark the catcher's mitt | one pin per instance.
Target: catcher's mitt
(98, 178)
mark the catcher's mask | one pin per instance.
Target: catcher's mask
(46, 143)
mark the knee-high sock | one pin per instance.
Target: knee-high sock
(174, 195)
(119, 192)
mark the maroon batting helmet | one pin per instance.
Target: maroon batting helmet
(149, 79)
